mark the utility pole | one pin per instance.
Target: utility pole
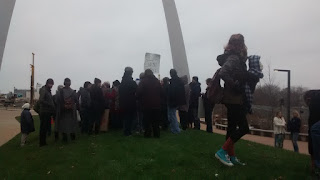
(32, 81)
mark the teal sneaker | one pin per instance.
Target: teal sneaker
(236, 161)
(317, 172)
(223, 156)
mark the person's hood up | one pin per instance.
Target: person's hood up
(26, 106)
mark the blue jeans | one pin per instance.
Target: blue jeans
(278, 140)
(315, 135)
(294, 138)
(172, 117)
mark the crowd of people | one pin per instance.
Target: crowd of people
(148, 105)
(143, 106)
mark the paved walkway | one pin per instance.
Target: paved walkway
(303, 146)
(10, 127)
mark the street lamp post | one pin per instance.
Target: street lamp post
(32, 81)
(289, 91)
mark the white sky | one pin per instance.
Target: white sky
(83, 39)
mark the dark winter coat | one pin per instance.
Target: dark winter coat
(84, 100)
(164, 98)
(314, 107)
(234, 74)
(194, 94)
(176, 93)
(294, 125)
(97, 99)
(46, 101)
(127, 94)
(149, 93)
(66, 119)
(27, 125)
(206, 102)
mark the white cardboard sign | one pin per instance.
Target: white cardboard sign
(152, 61)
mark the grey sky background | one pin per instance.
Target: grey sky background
(83, 39)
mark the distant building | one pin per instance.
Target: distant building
(26, 93)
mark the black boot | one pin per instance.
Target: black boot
(56, 136)
(64, 137)
(73, 136)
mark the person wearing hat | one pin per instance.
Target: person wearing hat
(98, 106)
(47, 109)
(127, 100)
(195, 93)
(26, 124)
(56, 132)
(85, 106)
(176, 97)
(115, 120)
(66, 119)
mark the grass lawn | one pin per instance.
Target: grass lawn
(189, 155)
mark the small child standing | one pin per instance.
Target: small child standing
(27, 125)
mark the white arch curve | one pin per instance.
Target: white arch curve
(6, 9)
(178, 52)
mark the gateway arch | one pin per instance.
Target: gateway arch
(178, 52)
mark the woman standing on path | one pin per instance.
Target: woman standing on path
(279, 125)
(234, 74)
(294, 127)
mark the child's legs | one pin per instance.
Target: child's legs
(23, 139)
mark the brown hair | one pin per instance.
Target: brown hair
(277, 113)
(236, 45)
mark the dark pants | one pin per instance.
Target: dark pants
(49, 128)
(95, 120)
(128, 117)
(138, 124)
(294, 139)
(183, 119)
(164, 118)
(237, 122)
(193, 117)
(85, 121)
(152, 122)
(208, 117)
(45, 119)
(65, 136)
(115, 120)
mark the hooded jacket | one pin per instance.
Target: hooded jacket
(27, 125)
(149, 92)
(46, 101)
(127, 93)
(234, 74)
(176, 93)
(84, 99)
(195, 93)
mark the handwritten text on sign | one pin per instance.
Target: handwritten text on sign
(152, 61)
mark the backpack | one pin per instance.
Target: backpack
(67, 103)
(215, 91)
(36, 107)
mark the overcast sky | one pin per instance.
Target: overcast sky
(83, 39)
